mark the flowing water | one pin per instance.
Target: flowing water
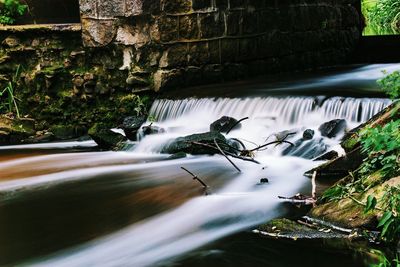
(66, 204)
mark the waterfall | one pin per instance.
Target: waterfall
(267, 116)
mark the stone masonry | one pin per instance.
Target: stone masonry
(177, 43)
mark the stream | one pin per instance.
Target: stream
(69, 204)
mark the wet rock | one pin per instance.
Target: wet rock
(332, 128)
(131, 126)
(151, 129)
(308, 134)
(105, 137)
(187, 144)
(224, 124)
(43, 137)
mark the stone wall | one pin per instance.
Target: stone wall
(60, 82)
(187, 42)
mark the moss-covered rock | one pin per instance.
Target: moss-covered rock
(14, 130)
(105, 137)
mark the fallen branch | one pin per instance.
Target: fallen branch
(228, 153)
(223, 153)
(195, 177)
(233, 126)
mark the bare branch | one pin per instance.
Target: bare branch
(195, 177)
(233, 126)
(223, 153)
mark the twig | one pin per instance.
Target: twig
(233, 126)
(195, 177)
(223, 153)
(271, 143)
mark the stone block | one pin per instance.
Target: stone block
(237, 4)
(214, 50)
(233, 23)
(167, 79)
(176, 6)
(201, 4)
(188, 27)
(139, 7)
(111, 8)
(221, 4)
(211, 25)
(168, 28)
(98, 32)
(229, 50)
(198, 54)
(176, 55)
(88, 8)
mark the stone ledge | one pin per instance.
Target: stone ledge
(71, 27)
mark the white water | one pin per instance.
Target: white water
(240, 204)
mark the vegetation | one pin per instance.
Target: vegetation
(10, 10)
(7, 95)
(382, 16)
(391, 84)
(381, 145)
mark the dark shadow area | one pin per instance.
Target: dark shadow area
(377, 49)
(51, 12)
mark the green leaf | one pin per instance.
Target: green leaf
(371, 203)
(386, 216)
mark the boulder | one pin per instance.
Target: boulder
(224, 124)
(332, 128)
(308, 134)
(186, 145)
(131, 126)
(65, 132)
(105, 137)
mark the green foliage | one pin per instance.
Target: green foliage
(389, 223)
(385, 262)
(382, 144)
(7, 95)
(10, 10)
(391, 84)
(383, 15)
